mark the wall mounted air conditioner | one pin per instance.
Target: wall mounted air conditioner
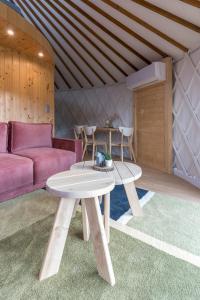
(154, 73)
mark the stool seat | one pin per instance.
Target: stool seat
(71, 186)
(80, 184)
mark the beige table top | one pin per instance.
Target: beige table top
(80, 183)
(123, 173)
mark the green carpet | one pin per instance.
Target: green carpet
(141, 271)
(171, 220)
(23, 211)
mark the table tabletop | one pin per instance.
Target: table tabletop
(107, 129)
(80, 183)
(123, 173)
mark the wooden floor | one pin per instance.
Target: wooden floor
(160, 182)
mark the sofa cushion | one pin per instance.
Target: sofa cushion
(15, 172)
(48, 161)
(3, 137)
(30, 135)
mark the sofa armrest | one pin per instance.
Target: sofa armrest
(69, 144)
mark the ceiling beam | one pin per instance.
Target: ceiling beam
(195, 3)
(103, 28)
(63, 15)
(25, 5)
(67, 40)
(145, 25)
(91, 31)
(124, 28)
(167, 15)
(63, 78)
(56, 85)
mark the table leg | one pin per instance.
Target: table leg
(57, 239)
(107, 215)
(86, 227)
(110, 142)
(133, 199)
(101, 250)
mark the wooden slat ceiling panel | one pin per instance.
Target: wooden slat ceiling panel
(101, 42)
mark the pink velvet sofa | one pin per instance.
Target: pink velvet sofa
(29, 155)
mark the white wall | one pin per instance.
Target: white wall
(186, 140)
(93, 107)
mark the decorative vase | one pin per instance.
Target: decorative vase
(108, 163)
(99, 159)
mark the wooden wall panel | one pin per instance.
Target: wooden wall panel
(26, 88)
(153, 123)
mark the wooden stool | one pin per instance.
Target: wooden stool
(124, 173)
(70, 186)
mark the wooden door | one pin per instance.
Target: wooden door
(153, 123)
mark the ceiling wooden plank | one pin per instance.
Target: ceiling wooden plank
(25, 11)
(145, 25)
(91, 31)
(50, 3)
(67, 40)
(56, 41)
(124, 27)
(63, 78)
(103, 28)
(195, 3)
(167, 14)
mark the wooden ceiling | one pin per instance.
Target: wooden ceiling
(99, 42)
(27, 39)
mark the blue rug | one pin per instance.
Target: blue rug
(119, 203)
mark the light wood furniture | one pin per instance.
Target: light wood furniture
(26, 80)
(124, 173)
(126, 133)
(90, 140)
(153, 123)
(78, 131)
(109, 131)
(70, 186)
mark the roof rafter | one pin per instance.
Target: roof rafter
(124, 27)
(103, 28)
(167, 14)
(56, 85)
(145, 25)
(86, 36)
(194, 3)
(67, 40)
(63, 78)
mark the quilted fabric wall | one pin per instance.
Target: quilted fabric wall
(95, 106)
(186, 140)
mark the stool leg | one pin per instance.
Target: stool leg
(75, 208)
(107, 215)
(133, 199)
(101, 250)
(57, 239)
(86, 227)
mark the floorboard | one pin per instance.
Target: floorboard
(161, 182)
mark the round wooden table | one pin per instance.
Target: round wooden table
(70, 186)
(124, 173)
